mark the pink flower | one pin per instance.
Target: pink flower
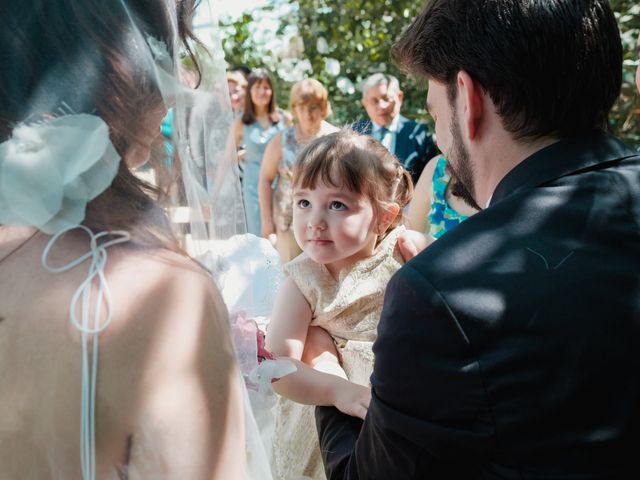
(249, 341)
(263, 353)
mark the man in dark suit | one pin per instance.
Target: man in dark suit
(510, 348)
(408, 140)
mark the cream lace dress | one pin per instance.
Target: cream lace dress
(349, 309)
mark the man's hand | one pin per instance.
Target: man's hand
(411, 243)
(351, 398)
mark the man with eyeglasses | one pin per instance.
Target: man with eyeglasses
(408, 140)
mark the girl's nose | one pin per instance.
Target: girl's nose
(316, 222)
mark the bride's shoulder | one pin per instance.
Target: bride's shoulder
(158, 264)
(163, 286)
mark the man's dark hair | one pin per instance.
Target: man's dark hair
(243, 69)
(551, 67)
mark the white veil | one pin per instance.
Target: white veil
(59, 163)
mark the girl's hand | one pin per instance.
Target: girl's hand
(351, 398)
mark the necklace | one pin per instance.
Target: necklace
(304, 140)
(19, 246)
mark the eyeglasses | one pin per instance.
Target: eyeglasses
(308, 108)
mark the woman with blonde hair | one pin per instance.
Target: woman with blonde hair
(309, 102)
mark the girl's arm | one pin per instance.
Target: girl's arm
(268, 172)
(286, 338)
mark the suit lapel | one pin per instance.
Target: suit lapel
(404, 145)
(560, 159)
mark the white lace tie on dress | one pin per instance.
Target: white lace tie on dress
(90, 326)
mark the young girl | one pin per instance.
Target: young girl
(310, 105)
(348, 195)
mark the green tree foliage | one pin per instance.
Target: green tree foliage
(243, 46)
(346, 41)
(358, 34)
(624, 120)
(239, 43)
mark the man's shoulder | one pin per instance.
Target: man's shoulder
(532, 230)
(405, 123)
(412, 129)
(402, 120)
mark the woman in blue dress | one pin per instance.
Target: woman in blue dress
(437, 205)
(259, 123)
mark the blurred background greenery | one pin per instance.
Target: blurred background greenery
(341, 43)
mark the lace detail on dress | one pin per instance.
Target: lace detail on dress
(283, 195)
(348, 308)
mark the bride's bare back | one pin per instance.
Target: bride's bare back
(168, 394)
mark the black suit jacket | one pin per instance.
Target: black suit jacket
(414, 144)
(510, 348)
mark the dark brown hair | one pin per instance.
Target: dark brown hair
(249, 114)
(359, 163)
(80, 53)
(550, 68)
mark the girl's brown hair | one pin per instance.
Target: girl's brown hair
(346, 159)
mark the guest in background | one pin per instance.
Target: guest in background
(440, 202)
(260, 122)
(237, 84)
(408, 140)
(242, 70)
(310, 106)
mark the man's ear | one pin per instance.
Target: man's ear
(387, 215)
(471, 96)
(401, 95)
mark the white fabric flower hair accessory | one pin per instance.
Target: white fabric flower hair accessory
(158, 49)
(51, 170)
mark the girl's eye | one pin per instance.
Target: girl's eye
(335, 205)
(303, 203)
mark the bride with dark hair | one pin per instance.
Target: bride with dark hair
(115, 354)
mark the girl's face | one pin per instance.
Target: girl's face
(261, 93)
(334, 226)
(309, 117)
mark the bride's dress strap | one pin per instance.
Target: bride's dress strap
(89, 325)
